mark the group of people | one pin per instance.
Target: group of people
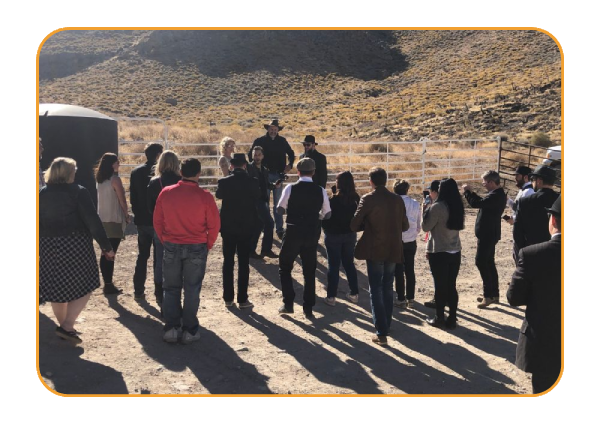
(182, 221)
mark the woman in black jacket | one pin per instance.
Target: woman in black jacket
(68, 268)
(167, 173)
(340, 241)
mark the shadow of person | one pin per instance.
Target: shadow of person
(324, 365)
(218, 368)
(62, 368)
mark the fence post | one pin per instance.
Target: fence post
(351, 155)
(423, 153)
(387, 158)
(499, 152)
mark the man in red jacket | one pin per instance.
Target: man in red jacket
(187, 222)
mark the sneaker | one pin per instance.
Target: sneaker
(245, 305)
(139, 297)
(254, 255)
(430, 304)
(352, 297)
(285, 310)
(487, 301)
(269, 254)
(188, 338)
(330, 301)
(172, 335)
(403, 304)
(229, 304)
(380, 340)
(68, 335)
(410, 303)
(111, 289)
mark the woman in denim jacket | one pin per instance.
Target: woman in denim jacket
(68, 268)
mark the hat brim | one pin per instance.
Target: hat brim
(267, 126)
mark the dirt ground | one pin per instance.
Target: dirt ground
(257, 351)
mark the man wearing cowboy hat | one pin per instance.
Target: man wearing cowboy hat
(536, 283)
(275, 149)
(530, 216)
(310, 151)
(239, 220)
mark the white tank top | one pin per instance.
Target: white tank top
(109, 209)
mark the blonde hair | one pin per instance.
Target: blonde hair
(224, 142)
(168, 162)
(61, 171)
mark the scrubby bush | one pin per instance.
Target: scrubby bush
(540, 139)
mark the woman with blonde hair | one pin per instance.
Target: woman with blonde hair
(168, 172)
(113, 211)
(227, 149)
(68, 268)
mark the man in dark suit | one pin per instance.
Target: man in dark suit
(310, 151)
(381, 215)
(239, 220)
(138, 195)
(530, 218)
(536, 283)
(487, 231)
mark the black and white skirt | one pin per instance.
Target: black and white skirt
(68, 268)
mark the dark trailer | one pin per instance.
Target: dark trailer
(78, 133)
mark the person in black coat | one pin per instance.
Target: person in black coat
(310, 151)
(138, 193)
(239, 220)
(275, 148)
(536, 284)
(257, 170)
(487, 231)
(530, 218)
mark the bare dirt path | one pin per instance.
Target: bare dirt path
(260, 352)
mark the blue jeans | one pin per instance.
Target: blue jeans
(274, 176)
(340, 250)
(266, 226)
(184, 266)
(381, 287)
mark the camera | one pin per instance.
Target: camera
(282, 177)
(426, 197)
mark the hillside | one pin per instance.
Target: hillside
(341, 85)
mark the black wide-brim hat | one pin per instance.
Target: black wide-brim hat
(238, 159)
(310, 139)
(274, 122)
(555, 209)
(544, 172)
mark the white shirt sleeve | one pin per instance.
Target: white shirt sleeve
(326, 208)
(285, 197)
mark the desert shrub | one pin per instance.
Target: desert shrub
(540, 139)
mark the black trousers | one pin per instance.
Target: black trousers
(231, 245)
(445, 267)
(543, 380)
(408, 268)
(485, 261)
(107, 268)
(145, 241)
(303, 242)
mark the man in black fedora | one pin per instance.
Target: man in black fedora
(536, 283)
(305, 204)
(275, 149)
(530, 217)
(239, 220)
(525, 189)
(310, 151)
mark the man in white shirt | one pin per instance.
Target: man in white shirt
(409, 246)
(305, 203)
